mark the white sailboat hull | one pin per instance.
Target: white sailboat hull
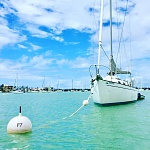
(106, 92)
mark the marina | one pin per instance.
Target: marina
(74, 75)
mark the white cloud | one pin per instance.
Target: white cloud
(35, 47)
(71, 43)
(62, 15)
(40, 62)
(36, 32)
(57, 16)
(22, 46)
(77, 63)
(9, 36)
(33, 29)
(80, 63)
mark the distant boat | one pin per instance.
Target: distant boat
(111, 89)
(17, 92)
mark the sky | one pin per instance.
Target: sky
(56, 41)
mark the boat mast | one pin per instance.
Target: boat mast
(43, 84)
(72, 84)
(111, 54)
(100, 32)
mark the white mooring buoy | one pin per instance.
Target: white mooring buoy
(85, 102)
(19, 124)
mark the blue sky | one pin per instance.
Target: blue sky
(57, 40)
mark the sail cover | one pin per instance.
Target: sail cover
(119, 71)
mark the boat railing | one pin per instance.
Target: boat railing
(97, 70)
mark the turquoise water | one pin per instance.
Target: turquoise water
(122, 127)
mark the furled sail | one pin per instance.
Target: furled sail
(112, 65)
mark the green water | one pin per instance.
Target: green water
(122, 127)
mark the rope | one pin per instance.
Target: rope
(122, 30)
(85, 103)
(74, 112)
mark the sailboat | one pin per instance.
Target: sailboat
(17, 90)
(111, 89)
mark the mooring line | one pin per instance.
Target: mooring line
(73, 113)
(85, 103)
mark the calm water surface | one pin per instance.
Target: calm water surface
(122, 127)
